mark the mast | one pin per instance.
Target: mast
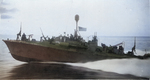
(134, 47)
(76, 19)
(135, 43)
(19, 34)
(20, 29)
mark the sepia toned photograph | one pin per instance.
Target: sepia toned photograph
(75, 39)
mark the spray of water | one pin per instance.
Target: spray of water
(122, 66)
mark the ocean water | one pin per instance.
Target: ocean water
(102, 69)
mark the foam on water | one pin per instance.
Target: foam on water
(122, 66)
(132, 66)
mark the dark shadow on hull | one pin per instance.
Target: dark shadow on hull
(24, 59)
(61, 71)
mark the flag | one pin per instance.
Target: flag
(82, 29)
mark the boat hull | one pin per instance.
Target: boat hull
(27, 52)
(24, 59)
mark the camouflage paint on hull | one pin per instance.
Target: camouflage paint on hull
(30, 52)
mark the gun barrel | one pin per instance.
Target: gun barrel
(42, 34)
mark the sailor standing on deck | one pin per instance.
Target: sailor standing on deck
(23, 38)
(19, 34)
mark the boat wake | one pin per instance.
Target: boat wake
(132, 66)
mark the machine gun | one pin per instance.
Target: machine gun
(43, 34)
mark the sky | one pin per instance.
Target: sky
(54, 17)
